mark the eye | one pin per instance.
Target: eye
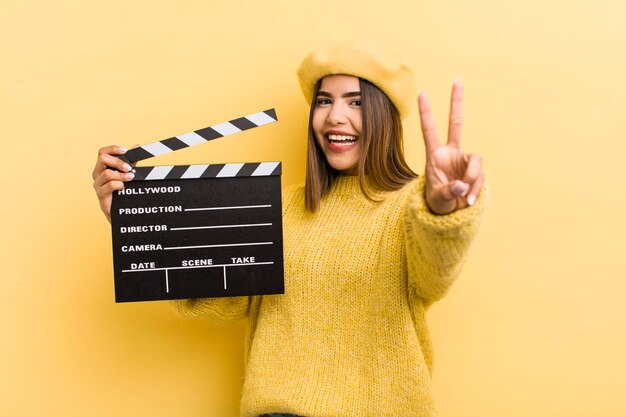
(356, 102)
(321, 101)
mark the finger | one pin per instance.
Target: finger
(475, 189)
(112, 150)
(455, 126)
(427, 120)
(474, 176)
(109, 175)
(105, 194)
(111, 161)
(103, 159)
(107, 189)
(447, 197)
(106, 159)
(473, 169)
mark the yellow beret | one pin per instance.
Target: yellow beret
(394, 78)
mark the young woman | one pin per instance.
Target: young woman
(368, 247)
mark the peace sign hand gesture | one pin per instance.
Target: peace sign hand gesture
(454, 179)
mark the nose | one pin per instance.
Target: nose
(337, 114)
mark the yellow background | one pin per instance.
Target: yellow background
(535, 326)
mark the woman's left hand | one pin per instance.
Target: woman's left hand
(454, 179)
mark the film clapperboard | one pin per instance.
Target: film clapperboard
(193, 231)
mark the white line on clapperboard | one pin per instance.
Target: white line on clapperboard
(224, 226)
(167, 281)
(228, 208)
(223, 245)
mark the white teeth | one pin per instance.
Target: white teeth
(341, 137)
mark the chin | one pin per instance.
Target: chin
(344, 169)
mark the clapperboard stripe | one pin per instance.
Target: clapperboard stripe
(174, 172)
(200, 136)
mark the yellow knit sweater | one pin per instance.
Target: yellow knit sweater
(349, 336)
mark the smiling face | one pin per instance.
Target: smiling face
(337, 121)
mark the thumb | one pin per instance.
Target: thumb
(442, 200)
(458, 189)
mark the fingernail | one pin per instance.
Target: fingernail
(122, 150)
(127, 167)
(459, 188)
(471, 199)
(129, 176)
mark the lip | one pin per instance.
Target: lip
(335, 147)
(339, 133)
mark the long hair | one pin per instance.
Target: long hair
(381, 165)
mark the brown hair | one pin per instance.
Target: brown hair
(382, 151)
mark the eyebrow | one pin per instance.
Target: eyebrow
(349, 94)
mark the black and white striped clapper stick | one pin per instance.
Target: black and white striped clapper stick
(199, 136)
(184, 172)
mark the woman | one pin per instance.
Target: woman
(369, 246)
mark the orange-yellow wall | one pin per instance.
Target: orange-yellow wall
(536, 324)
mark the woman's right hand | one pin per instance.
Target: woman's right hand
(109, 175)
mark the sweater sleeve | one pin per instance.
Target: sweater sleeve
(221, 310)
(436, 245)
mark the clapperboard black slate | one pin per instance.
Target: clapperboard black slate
(198, 230)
